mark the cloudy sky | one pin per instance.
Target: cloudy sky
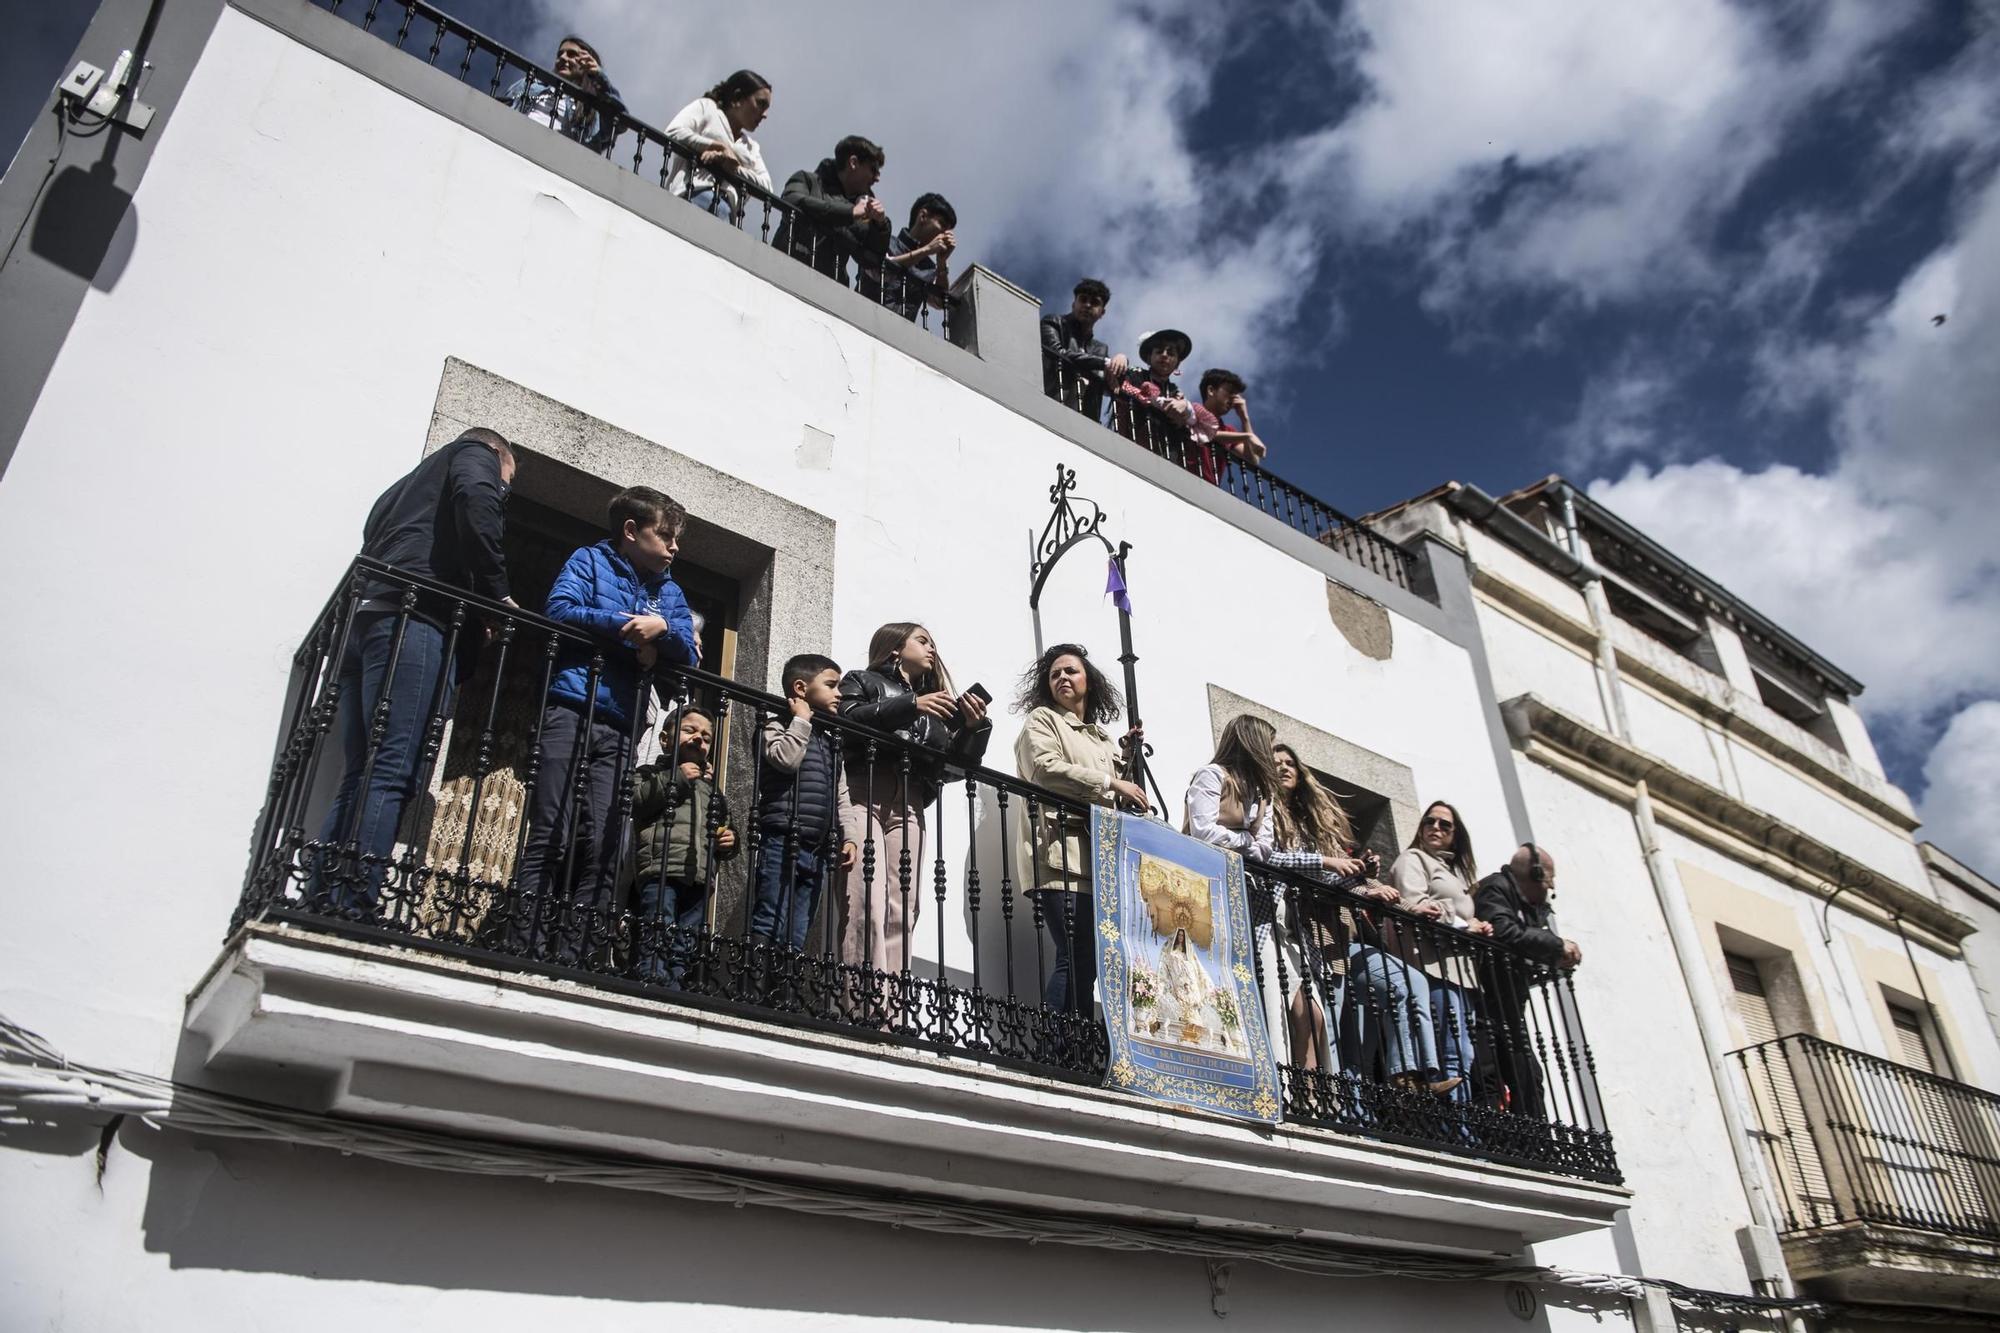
(1691, 255)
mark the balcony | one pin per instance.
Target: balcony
(1168, 437)
(1888, 1178)
(443, 42)
(427, 985)
(434, 37)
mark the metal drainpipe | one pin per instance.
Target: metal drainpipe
(1766, 1261)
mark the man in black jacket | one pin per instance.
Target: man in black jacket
(1515, 900)
(443, 521)
(832, 213)
(1075, 364)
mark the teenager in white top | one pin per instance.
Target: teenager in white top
(714, 130)
(1231, 803)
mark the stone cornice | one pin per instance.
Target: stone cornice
(1723, 706)
(1714, 817)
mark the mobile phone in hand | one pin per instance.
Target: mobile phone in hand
(978, 692)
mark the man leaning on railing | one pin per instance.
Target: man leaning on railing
(591, 120)
(1223, 393)
(1515, 899)
(916, 270)
(1076, 365)
(442, 521)
(831, 213)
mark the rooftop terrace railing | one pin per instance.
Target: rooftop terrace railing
(966, 950)
(1168, 437)
(1851, 1137)
(445, 43)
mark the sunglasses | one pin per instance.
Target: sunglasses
(1441, 825)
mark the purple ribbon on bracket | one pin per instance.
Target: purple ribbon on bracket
(1114, 586)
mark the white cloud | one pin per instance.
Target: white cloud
(1057, 131)
(1621, 131)
(1624, 412)
(1889, 561)
(1575, 152)
(1962, 785)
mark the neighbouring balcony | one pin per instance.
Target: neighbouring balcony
(1888, 1178)
(429, 34)
(428, 984)
(1168, 437)
(462, 51)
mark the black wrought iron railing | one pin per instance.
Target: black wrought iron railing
(1166, 435)
(1851, 1137)
(608, 129)
(423, 815)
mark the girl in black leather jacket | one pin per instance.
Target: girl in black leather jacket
(905, 691)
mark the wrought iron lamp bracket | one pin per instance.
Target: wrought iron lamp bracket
(1075, 519)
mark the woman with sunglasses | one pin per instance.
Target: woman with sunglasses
(1434, 878)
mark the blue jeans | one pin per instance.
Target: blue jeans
(708, 201)
(676, 913)
(1072, 924)
(376, 785)
(784, 911)
(1389, 1007)
(1452, 1014)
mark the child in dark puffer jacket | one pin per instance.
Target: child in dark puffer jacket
(800, 793)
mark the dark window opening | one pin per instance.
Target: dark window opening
(1369, 812)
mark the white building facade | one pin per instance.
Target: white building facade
(333, 250)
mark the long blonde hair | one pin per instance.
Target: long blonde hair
(1308, 817)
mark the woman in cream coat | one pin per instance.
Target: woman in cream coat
(1065, 749)
(1434, 877)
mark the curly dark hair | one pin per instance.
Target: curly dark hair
(1101, 700)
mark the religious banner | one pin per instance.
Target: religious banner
(1181, 1007)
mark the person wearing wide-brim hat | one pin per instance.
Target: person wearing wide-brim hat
(1161, 353)
(1151, 342)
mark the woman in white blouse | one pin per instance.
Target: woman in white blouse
(717, 155)
(1232, 803)
(1434, 877)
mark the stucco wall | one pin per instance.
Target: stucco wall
(309, 250)
(1659, 1096)
(1526, 660)
(1842, 978)
(279, 392)
(246, 1238)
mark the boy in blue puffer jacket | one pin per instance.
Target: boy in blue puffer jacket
(618, 592)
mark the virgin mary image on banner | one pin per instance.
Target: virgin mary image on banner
(1179, 991)
(1190, 1006)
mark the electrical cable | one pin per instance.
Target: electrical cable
(62, 142)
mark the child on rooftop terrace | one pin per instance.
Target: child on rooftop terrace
(1152, 383)
(1222, 392)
